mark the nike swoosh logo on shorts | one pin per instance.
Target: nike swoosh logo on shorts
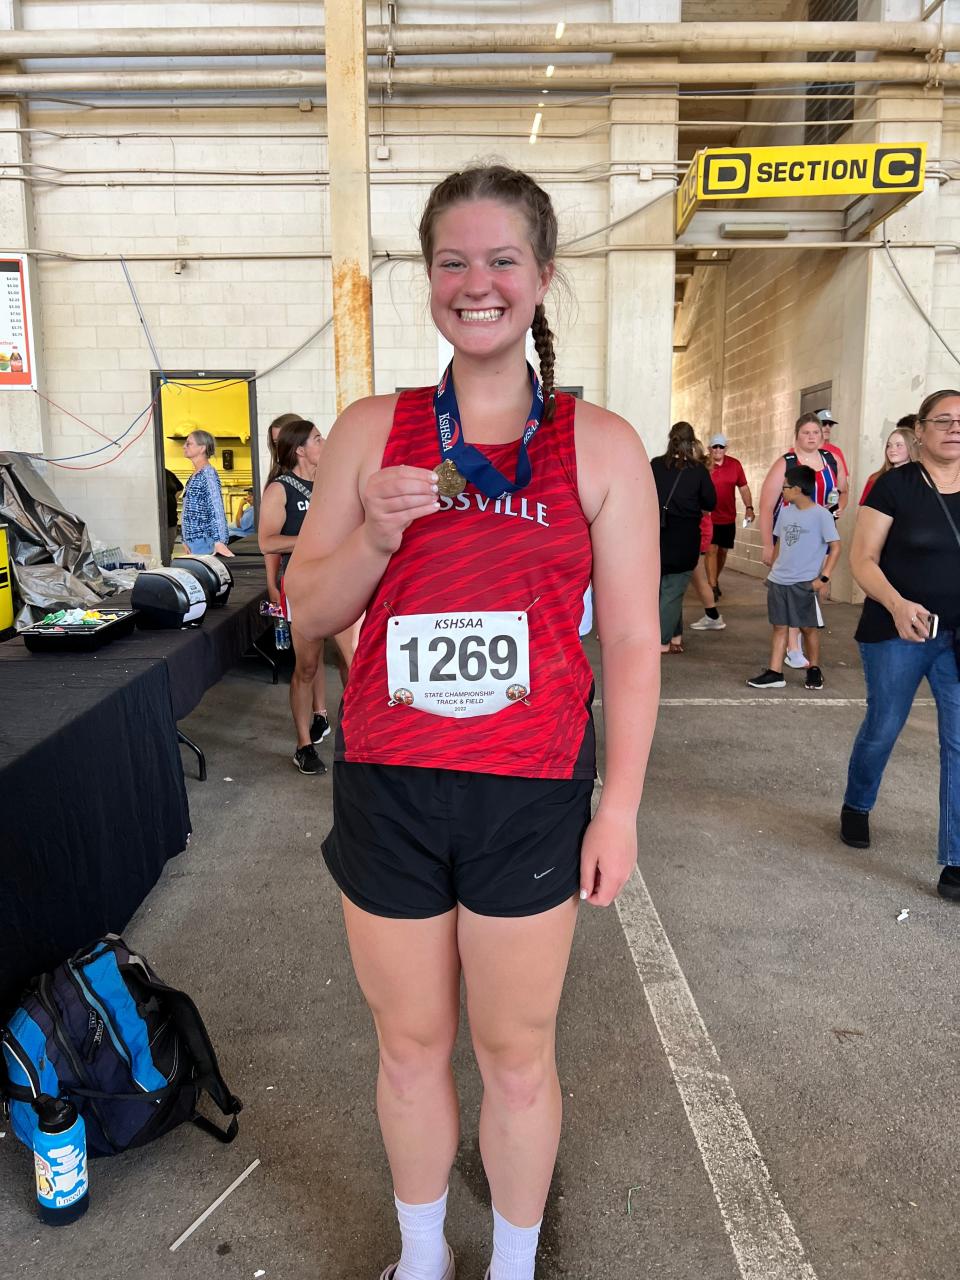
(538, 875)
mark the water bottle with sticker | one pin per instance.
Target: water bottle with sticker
(60, 1161)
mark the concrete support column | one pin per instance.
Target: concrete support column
(22, 417)
(640, 285)
(346, 54)
(886, 377)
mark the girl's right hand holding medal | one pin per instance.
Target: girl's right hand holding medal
(392, 499)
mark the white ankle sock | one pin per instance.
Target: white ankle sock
(424, 1252)
(514, 1250)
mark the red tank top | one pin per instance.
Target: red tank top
(485, 554)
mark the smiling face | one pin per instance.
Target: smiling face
(484, 278)
(897, 451)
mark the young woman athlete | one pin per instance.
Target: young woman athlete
(283, 510)
(466, 520)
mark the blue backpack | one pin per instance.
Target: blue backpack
(131, 1053)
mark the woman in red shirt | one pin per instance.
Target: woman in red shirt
(466, 520)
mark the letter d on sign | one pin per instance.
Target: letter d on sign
(725, 173)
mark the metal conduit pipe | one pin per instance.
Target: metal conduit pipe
(414, 255)
(412, 39)
(307, 80)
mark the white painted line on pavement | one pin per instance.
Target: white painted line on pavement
(764, 1241)
(768, 701)
(778, 702)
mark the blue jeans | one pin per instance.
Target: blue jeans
(893, 670)
(201, 546)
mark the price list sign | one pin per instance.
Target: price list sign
(16, 355)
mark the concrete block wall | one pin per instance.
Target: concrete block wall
(243, 311)
(782, 330)
(698, 370)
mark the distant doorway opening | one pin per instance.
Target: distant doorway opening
(223, 403)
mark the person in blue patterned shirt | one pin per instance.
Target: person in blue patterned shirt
(203, 523)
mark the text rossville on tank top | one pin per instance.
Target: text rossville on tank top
(506, 506)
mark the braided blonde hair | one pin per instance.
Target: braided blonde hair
(510, 187)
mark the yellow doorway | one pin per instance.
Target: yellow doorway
(223, 404)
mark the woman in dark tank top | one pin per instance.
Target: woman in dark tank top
(285, 503)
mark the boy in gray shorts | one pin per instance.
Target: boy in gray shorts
(807, 548)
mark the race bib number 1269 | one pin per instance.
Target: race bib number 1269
(458, 664)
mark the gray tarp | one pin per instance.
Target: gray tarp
(50, 553)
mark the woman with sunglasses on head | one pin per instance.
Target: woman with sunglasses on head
(906, 557)
(466, 520)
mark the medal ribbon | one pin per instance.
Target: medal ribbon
(468, 459)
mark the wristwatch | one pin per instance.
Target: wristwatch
(824, 578)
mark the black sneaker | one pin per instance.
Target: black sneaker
(319, 729)
(307, 760)
(949, 885)
(814, 678)
(768, 680)
(855, 828)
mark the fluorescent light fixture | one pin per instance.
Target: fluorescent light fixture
(550, 70)
(754, 230)
(561, 27)
(533, 138)
(537, 122)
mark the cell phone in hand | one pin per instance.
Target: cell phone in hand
(933, 625)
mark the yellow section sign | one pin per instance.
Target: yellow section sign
(728, 173)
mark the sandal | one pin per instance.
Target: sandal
(675, 647)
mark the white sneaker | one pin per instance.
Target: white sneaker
(709, 624)
(796, 659)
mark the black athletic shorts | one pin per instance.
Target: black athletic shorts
(412, 843)
(724, 535)
(793, 604)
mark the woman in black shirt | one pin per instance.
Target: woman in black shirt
(283, 509)
(684, 492)
(906, 557)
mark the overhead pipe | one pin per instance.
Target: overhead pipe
(451, 79)
(656, 38)
(414, 255)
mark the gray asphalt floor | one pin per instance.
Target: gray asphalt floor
(793, 1012)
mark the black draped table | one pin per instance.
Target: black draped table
(92, 795)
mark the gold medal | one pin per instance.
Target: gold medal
(449, 480)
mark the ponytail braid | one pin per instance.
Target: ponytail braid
(543, 341)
